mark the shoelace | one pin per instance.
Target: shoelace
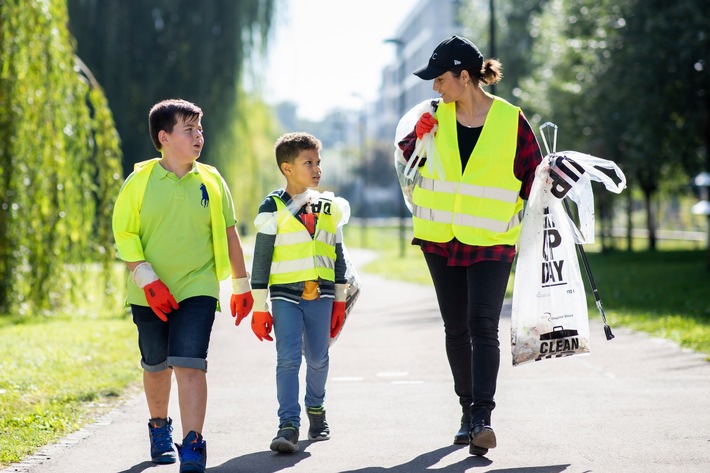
(162, 438)
(192, 452)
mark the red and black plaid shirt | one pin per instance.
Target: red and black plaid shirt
(527, 157)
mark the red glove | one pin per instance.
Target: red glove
(159, 299)
(425, 124)
(156, 293)
(261, 323)
(337, 318)
(242, 301)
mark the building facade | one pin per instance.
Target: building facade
(429, 22)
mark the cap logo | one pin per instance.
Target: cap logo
(456, 62)
(433, 56)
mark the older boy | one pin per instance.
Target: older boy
(298, 256)
(174, 226)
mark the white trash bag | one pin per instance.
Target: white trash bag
(354, 287)
(549, 314)
(407, 171)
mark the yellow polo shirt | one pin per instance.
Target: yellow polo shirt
(176, 234)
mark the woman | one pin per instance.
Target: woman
(467, 206)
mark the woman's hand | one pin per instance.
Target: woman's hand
(425, 124)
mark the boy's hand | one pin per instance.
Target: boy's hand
(160, 299)
(156, 293)
(242, 300)
(261, 320)
(337, 318)
(261, 323)
(425, 124)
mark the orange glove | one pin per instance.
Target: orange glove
(337, 317)
(156, 292)
(261, 323)
(242, 301)
(425, 124)
(261, 320)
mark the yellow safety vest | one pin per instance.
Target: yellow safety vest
(126, 216)
(480, 205)
(298, 256)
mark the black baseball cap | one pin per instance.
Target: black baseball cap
(452, 52)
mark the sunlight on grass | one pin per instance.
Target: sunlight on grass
(63, 371)
(663, 293)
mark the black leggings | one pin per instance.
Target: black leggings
(470, 300)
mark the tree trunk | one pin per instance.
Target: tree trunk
(629, 224)
(650, 219)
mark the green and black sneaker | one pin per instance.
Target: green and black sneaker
(318, 430)
(286, 440)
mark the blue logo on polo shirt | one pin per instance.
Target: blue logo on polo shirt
(205, 196)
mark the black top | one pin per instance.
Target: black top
(468, 137)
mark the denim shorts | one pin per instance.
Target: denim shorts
(182, 340)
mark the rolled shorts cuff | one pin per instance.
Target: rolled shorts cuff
(184, 362)
(155, 368)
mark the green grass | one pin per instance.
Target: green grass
(59, 373)
(664, 293)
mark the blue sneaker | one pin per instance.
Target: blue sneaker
(161, 440)
(193, 453)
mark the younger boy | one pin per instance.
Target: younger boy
(298, 256)
(174, 227)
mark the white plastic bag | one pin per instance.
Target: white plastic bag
(354, 287)
(549, 315)
(407, 171)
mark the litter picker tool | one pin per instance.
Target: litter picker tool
(562, 165)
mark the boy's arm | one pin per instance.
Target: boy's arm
(340, 264)
(265, 223)
(266, 226)
(242, 301)
(236, 253)
(261, 263)
(125, 224)
(337, 317)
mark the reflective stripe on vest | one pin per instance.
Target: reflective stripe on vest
(442, 216)
(479, 205)
(298, 256)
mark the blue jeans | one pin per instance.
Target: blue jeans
(301, 329)
(181, 341)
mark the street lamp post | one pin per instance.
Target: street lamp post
(400, 105)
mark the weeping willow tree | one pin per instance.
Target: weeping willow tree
(250, 168)
(60, 162)
(158, 49)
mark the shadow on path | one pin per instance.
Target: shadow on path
(425, 462)
(140, 467)
(263, 462)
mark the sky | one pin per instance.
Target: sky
(330, 53)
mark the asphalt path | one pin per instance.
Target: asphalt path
(634, 404)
